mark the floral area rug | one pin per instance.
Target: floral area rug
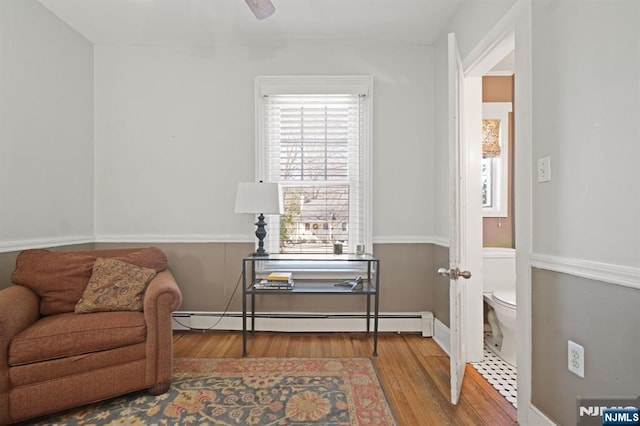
(250, 391)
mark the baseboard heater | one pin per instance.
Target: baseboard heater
(405, 322)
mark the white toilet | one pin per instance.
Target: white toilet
(503, 328)
(500, 294)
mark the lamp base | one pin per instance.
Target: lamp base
(261, 233)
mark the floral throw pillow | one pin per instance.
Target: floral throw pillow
(115, 286)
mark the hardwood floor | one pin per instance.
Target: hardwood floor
(413, 370)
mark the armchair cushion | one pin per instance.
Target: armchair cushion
(60, 278)
(69, 334)
(115, 286)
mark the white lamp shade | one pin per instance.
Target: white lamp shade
(259, 197)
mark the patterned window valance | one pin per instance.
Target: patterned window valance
(490, 138)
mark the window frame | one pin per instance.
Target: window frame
(500, 166)
(354, 85)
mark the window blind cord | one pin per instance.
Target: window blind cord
(224, 313)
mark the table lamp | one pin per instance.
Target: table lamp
(259, 198)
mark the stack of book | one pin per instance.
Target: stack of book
(276, 281)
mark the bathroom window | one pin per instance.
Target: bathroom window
(495, 158)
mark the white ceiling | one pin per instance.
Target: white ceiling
(203, 23)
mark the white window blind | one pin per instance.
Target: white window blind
(313, 147)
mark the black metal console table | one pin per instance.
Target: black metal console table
(253, 266)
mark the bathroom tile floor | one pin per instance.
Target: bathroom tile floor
(501, 375)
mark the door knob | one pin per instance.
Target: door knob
(443, 272)
(454, 274)
(464, 274)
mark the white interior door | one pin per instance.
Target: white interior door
(456, 291)
(465, 223)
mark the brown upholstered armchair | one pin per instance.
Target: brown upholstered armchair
(52, 358)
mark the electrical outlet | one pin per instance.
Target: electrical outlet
(576, 358)
(544, 169)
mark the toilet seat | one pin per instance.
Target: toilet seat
(506, 298)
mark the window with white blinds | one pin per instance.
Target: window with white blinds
(317, 146)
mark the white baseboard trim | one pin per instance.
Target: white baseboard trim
(625, 276)
(537, 418)
(442, 336)
(427, 324)
(405, 322)
(19, 245)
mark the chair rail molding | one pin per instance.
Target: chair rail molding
(441, 241)
(626, 276)
(173, 238)
(404, 239)
(26, 244)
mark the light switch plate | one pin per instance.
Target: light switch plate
(544, 169)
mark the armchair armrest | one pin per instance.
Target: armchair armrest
(161, 298)
(162, 293)
(19, 308)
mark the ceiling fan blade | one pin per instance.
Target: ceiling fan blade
(261, 8)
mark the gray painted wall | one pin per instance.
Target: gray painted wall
(604, 319)
(7, 264)
(441, 285)
(208, 273)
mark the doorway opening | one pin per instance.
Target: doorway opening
(498, 220)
